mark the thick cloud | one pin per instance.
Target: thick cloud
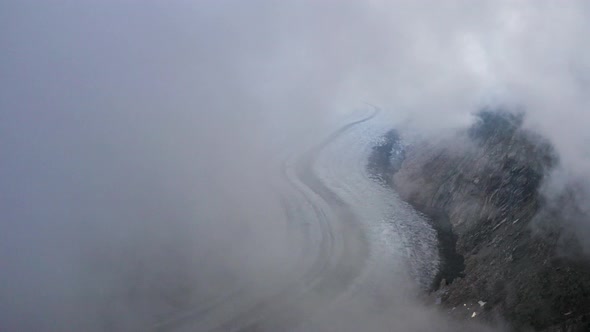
(118, 118)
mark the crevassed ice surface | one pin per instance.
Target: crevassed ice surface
(399, 236)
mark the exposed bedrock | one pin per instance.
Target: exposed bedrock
(508, 251)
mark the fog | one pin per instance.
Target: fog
(138, 138)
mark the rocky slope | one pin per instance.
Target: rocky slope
(506, 251)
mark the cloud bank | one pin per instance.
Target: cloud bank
(123, 121)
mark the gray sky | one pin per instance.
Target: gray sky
(117, 111)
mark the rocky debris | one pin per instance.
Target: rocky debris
(480, 188)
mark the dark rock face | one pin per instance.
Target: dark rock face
(387, 157)
(481, 188)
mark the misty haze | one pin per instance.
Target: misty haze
(261, 166)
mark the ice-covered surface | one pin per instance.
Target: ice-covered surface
(397, 233)
(402, 245)
(345, 236)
